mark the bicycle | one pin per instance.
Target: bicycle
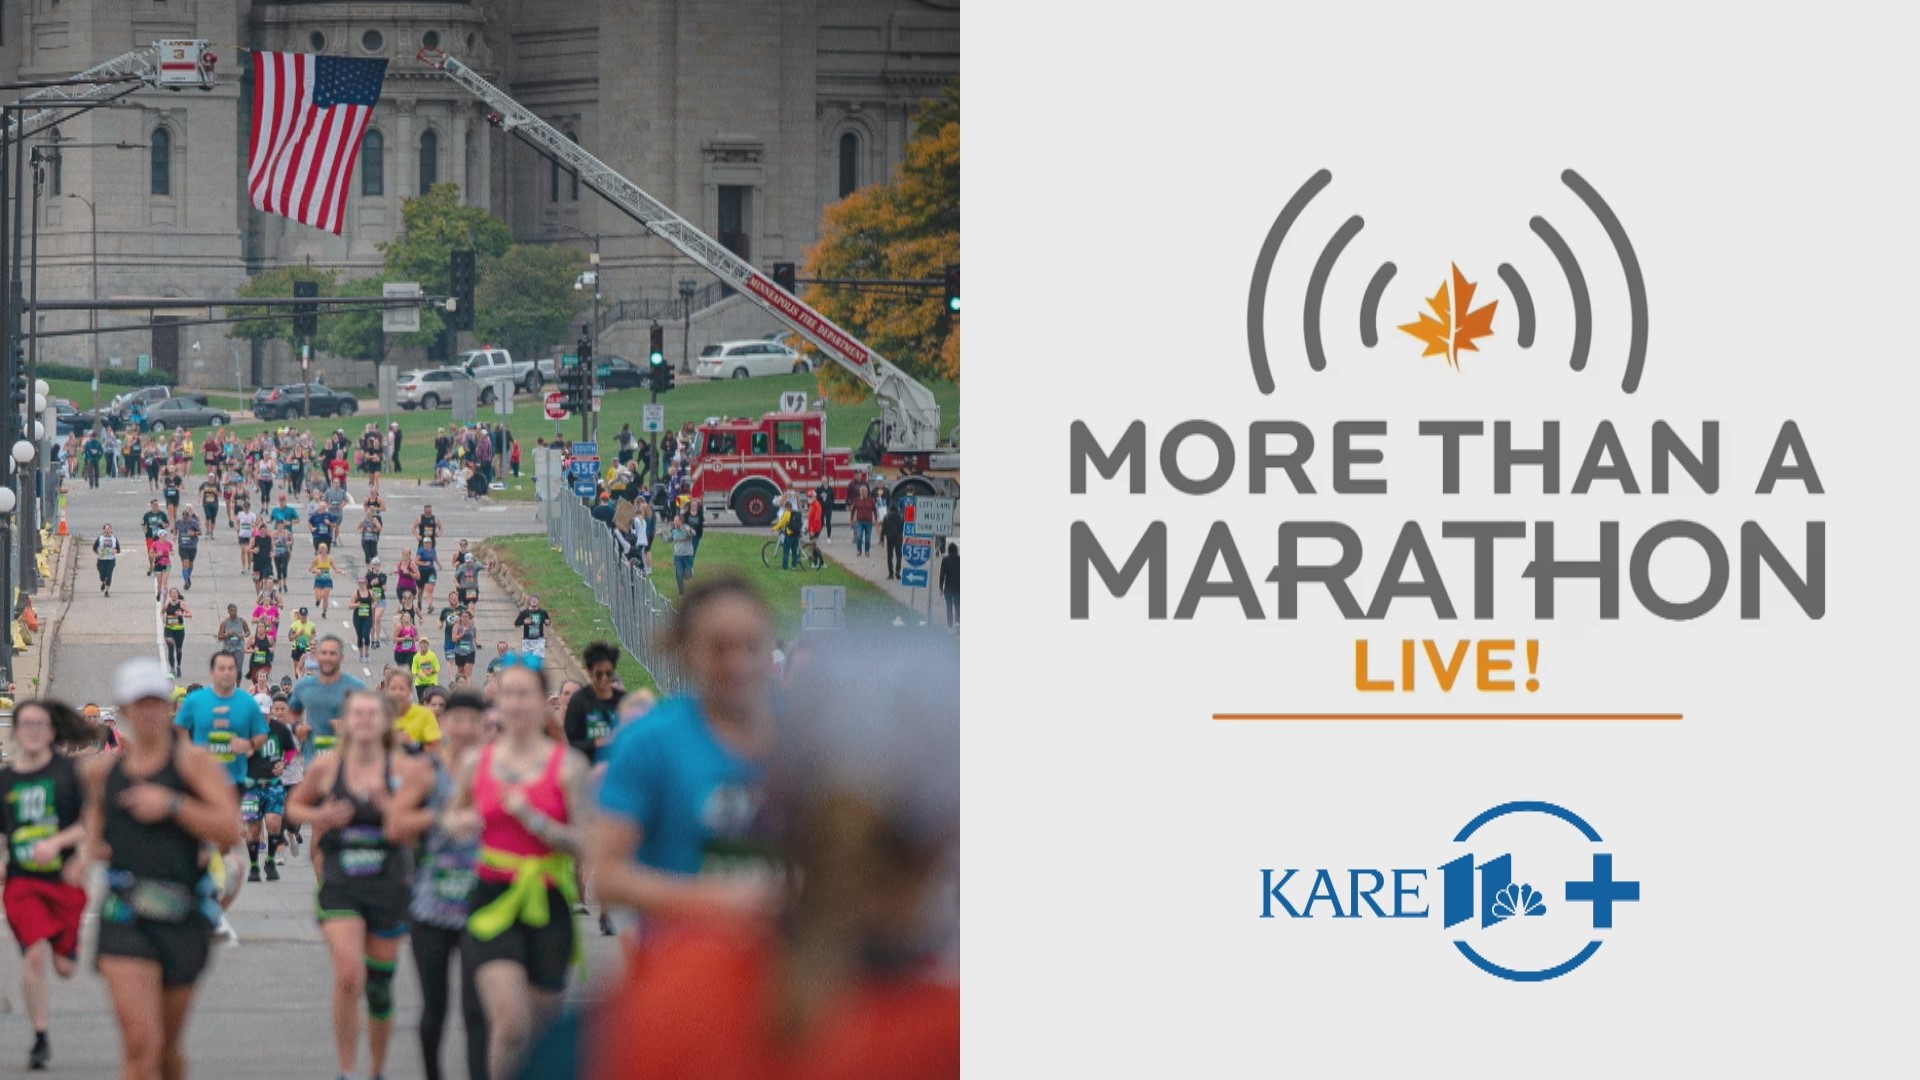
(810, 555)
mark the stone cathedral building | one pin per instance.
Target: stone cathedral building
(747, 117)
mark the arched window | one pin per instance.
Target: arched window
(160, 151)
(429, 160)
(849, 163)
(373, 165)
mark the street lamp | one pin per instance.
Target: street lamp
(686, 314)
(594, 259)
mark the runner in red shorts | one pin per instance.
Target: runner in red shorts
(40, 814)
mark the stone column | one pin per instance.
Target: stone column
(457, 152)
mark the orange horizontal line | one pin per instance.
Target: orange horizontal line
(1537, 717)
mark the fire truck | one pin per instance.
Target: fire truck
(744, 465)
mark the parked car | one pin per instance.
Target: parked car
(294, 399)
(66, 417)
(488, 366)
(146, 395)
(742, 359)
(182, 412)
(619, 373)
(431, 388)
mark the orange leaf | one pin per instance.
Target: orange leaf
(1437, 333)
(1458, 324)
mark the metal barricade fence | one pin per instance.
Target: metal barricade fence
(639, 612)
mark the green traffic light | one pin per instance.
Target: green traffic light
(657, 358)
(953, 304)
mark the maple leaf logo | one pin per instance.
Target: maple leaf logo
(1454, 325)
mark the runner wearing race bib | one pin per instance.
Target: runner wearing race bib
(40, 815)
(358, 795)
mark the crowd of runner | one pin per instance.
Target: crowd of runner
(470, 817)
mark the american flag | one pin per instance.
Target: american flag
(309, 113)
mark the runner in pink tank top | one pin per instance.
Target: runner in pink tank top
(522, 795)
(500, 830)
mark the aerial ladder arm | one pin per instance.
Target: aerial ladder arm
(910, 417)
(172, 64)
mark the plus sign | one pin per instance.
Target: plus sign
(1602, 891)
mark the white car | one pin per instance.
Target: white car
(434, 387)
(744, 359)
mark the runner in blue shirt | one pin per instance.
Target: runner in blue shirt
(683, 788)
(283, 513)
(222, 720)
(229, 724)
(315, 701)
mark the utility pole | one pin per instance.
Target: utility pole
(686, 333)
(305, 329)
(93, 317)
(584, 349)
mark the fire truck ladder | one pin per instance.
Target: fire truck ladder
(910, 418)
(116, 78)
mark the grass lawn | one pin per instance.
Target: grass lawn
(692, 399)
(580, 620)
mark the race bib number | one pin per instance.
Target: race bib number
(325, 742)
(220, 743)
(24, 838)
(599, 731)
(363, 851)
(452, 878)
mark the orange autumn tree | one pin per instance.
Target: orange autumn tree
(907, 228)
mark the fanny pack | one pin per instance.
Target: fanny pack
(129, 898)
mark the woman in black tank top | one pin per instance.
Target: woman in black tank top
(366, 798)
(149, 812)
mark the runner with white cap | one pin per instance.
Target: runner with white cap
(148, 811)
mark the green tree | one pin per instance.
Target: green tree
(356, 335)
(269, 285)
(908, 227)
(435, 226)
(526, 300)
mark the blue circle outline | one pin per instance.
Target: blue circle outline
(1534, 807)
(1554, 972)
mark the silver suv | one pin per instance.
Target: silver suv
(434, 387)
(745, 359)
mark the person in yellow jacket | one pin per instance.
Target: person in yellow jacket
(418, 724)
(426, 670)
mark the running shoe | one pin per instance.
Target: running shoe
(225, 932)
(273, 870)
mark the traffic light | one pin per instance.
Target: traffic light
(460, 282)
(659, 372)
(20, 393)
(953, 287)
(783, 276)
(306, 317)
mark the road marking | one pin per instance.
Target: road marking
(159, 638)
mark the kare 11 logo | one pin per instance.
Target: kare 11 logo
(1526, 917)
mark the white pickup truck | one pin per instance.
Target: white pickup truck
(496, 365)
